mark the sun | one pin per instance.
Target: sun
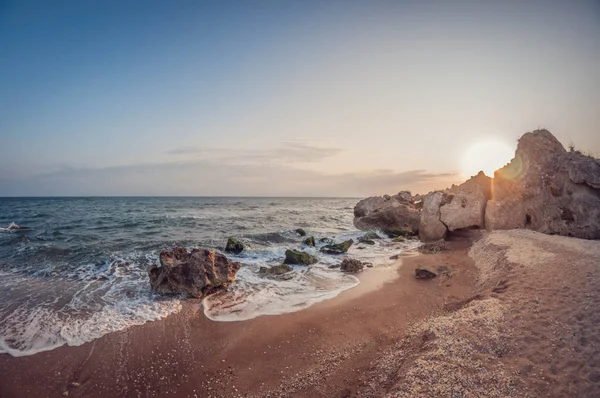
(486, 156)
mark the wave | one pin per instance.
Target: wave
(13, 227)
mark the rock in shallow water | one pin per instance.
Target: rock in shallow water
(298, 257)
(337, 248)
(234, 246)
(310, 241)
(276, 269)
(351, 265)
(195, 274)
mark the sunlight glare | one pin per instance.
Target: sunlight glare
(487, 157)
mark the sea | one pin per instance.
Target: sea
(75, 269)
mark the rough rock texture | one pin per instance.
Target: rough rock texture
(234, 246)
(301, 232)
(351, 265)
(396, 214)
(195, 274)
(338, 248)
(547, 189)
(298, 257)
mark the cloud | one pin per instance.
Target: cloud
(217, 178)
(287, 152)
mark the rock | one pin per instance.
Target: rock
(351, 265)
(361, 248)
(395, 214)
(368, 265)
(337, 248)
(326, 240)
(547, 189)
(424, 273)
(371, 235)
(464, 205)
(298, 257)
(300, 232)
(195, 274)
(431, 228)
(395, 257)
(367, 241)
(234, 246)
(310, 241)
(433, 247)
(399, 239)
(276, 269)
(333, 266)
(458, 207)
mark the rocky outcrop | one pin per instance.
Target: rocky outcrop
(337, 248)
(194, 274)
(393, 214)
(547, 189)
(543, 188)
(234, 246)
(298, 257)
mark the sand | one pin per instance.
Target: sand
(518, 316)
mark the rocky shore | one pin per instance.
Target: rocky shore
(544, 188)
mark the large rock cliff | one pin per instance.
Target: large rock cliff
(543, 188)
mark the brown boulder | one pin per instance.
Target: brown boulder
(391, 213)
(195, 274)
(352, 265)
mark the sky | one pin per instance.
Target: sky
(285, 98)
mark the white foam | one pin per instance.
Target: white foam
(254, 295)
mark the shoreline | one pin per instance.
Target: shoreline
(518, 316)
(186, 354)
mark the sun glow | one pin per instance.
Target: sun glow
(487, 157)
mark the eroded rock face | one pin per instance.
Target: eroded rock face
(195, 274)
(547, 189)
(396, 214)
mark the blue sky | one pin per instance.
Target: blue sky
(283, 97)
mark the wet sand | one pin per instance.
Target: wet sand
(318, 352)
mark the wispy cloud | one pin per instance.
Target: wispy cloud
(210, 177)
(287, 152)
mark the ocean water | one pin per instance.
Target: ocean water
(77, 271)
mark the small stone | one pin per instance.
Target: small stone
(424, 273)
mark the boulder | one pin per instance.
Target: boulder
(395, 214)
(458, 207)
(234, 246)
(464, 206)
(276, 269)
(310, 241)
(431, 228)
(337, 248)
(300, 232)
(547, 189)
(424, 273)
(298, 257)
(195, 274)
(351, 265)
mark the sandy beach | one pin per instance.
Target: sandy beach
(518, 316)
